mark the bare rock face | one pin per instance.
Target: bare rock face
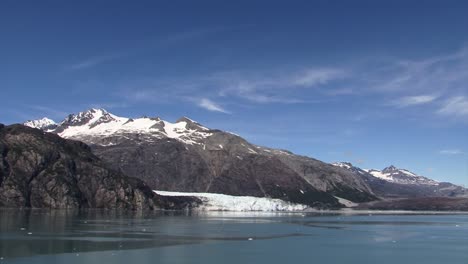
(42, 170)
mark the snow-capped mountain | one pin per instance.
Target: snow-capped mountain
(390, 174)
(95, 126)
(401, 176)
(43, 124)
(393, 182)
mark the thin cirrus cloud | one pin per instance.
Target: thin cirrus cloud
(437, 81)
(93, 61)
(455, 106)
(209, 105)
(158, 42)
(451, 152)
(267, 88)
(434, 81)
(430, 75)
(271, 87)
(318, 76)
(414, 100)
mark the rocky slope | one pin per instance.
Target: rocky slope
(186, 156)
(42, 170)
(393, 182)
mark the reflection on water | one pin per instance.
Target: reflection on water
(96, 236)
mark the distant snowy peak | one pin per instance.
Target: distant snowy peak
(390, 174)
(96, 126)
(90, 118)
(44, 124)
(401, 176)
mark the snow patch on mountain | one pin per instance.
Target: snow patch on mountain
(222, 202)
(380, 175)
(345, 165)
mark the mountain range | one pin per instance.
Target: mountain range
(186, 156)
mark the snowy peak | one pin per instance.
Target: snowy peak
(390, 169)
(401, 176)
(97, 126)
(191, 124)
(44, 124)
(390, 174)
(91, 117)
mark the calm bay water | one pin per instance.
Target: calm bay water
(42, 236)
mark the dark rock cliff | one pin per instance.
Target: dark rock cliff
(42, 170)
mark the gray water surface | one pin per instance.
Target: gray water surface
(93, 236)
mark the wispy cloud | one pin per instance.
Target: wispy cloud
(436, 82)
(434, 74)
(318, 76)
(211, 106)
(455, 106)
(158, 42)
(414, 100)
(451, 152)
(232, 86)
(433, 82)
(274, 87)
(93, 61)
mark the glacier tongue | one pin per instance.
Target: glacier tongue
(222, 202)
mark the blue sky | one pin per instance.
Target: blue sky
(371, 82)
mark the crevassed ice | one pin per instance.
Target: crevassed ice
(223, 202)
